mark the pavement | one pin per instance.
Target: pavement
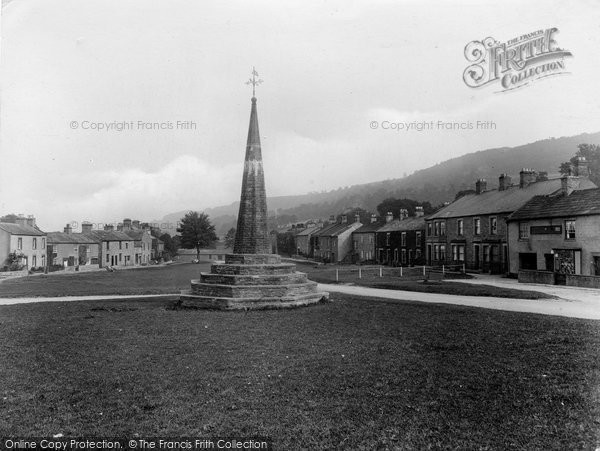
(574, 302)
(108, 297)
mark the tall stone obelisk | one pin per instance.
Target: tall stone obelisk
(252, 277)
(252, 235)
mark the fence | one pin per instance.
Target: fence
(408, 272)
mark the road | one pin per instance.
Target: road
(573, 302)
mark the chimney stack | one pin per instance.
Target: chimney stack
(373, 218)
(504, 181)
(135, 224)
(403, 213)
(21, 220)
(344, 219)
(447, 203)
(389, 216)
(568, 184)
(109, 227)
(126, 224)
(332, 218)
(542, 176)
(581, 168)
(68, 229)
(356, 217)
(86, 227)
(480, 186)
(527, 176)
(419, 211)
(31, 221)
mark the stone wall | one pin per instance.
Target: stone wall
(527, 276)
(583, 281)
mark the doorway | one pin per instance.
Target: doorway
(527, 260)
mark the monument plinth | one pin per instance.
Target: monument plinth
(252, 277)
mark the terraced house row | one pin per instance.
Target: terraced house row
(536, 224)
(23, 246)
(474, 230)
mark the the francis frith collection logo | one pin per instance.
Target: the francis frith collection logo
(514, 63)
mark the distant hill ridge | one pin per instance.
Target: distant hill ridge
(435, 184)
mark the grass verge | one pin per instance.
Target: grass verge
(350, 374)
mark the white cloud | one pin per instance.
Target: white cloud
(329, 69)
(185, 183)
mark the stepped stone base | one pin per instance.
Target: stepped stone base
(252, 281)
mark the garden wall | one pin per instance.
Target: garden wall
(583, 281)
(530, 276)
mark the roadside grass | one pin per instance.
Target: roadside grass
(169, 279)
(174, 278)
(351, 374)
(413, 281)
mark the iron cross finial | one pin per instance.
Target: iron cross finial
(254, 81)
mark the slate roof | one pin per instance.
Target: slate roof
(308, 231)
(106, 235)
(368, 228)
(407, 224)
(16, 229)
(507, 201)
(137, 236)
(578, 203)
(334, 229)
(69, 238)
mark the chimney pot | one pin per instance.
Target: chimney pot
(389, 216)
(480, 186)
(68, 229)
(581, 167)
(527, 176)
(21, 220)
(504, 182)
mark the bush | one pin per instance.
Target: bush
(15, 266)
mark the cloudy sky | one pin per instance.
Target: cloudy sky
(330, 69)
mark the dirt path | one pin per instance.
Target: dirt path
(573, 303)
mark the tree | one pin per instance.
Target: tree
(286, 243)
(463, 192)
(9, 218)
(196, 231)
(230, 237)
(591, 152)
(171, 245)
